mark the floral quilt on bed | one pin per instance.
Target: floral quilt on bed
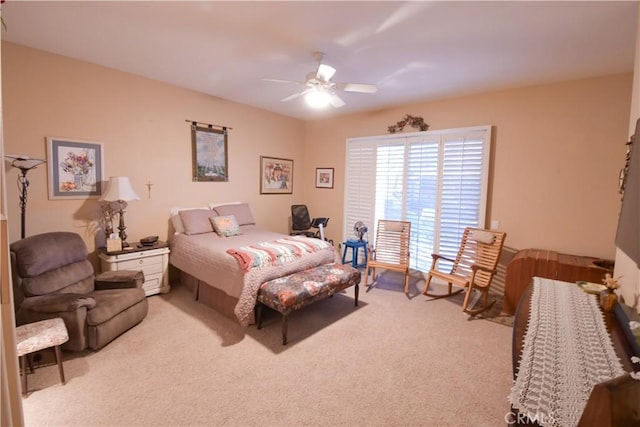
(265, 261)
(277, 252)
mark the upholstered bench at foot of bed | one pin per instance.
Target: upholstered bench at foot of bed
(290, 293)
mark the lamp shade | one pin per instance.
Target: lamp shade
(24, 162)
(119, 189)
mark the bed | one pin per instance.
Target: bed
(208, 248)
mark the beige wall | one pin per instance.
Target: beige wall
(142, 125)
(556, 150)
(626, 269)
(556, 153)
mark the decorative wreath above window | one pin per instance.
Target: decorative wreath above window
(416, 122)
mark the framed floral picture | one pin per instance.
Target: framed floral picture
(276, 175)
(324, 177)
(76, 169)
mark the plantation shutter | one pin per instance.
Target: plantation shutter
(463, 192)
(422, 199)
(360, 176)
(389, 185)
(436, 179)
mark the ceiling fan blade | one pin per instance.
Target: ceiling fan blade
(283, 81)
(357, 87)
(294, 96)
(325, 72)
(335, 101)
(290, 97)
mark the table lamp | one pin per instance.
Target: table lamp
(119, 190)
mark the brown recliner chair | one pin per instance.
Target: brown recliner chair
(52, 277)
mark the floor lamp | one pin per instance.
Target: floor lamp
(119, 190)
(25, 164)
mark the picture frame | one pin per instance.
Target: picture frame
(210, 161)
(75, 168)
(324, 177)
(276, 175)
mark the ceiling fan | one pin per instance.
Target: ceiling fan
(321, 91)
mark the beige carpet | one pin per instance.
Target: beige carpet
(391, 361)
(390, 279)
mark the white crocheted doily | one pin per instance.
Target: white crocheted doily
(567, 350)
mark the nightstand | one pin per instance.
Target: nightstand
(152, 260)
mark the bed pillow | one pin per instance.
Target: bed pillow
(215, 205)
(176, 222)
(225, 225)
(241, 211)
(196, 221)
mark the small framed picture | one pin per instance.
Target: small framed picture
(276, 175)
(324, 177)
(76, 169)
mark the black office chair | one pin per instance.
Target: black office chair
(302, 224)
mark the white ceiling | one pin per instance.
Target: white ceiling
(413, 51)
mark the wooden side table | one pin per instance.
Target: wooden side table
(152, 260)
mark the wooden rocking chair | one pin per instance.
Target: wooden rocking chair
(391, 251)
(474, 266)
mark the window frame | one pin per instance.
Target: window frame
(361, 182)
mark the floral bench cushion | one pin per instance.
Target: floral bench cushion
(289, 293)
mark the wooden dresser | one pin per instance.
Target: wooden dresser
(613, 403)
(528, 263)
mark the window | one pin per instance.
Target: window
(435, 179)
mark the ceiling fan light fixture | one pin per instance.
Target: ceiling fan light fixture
(317, 98)
(320, 91)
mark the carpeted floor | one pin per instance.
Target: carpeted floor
(393, 360)
(389, 280)
(494, 314)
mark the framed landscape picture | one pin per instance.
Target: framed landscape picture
(324, 177)
(276, 175)
(75, 169)
(209, 154)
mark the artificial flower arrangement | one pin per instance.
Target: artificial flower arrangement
(610, 282)
(106, 218)
(608, 297)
